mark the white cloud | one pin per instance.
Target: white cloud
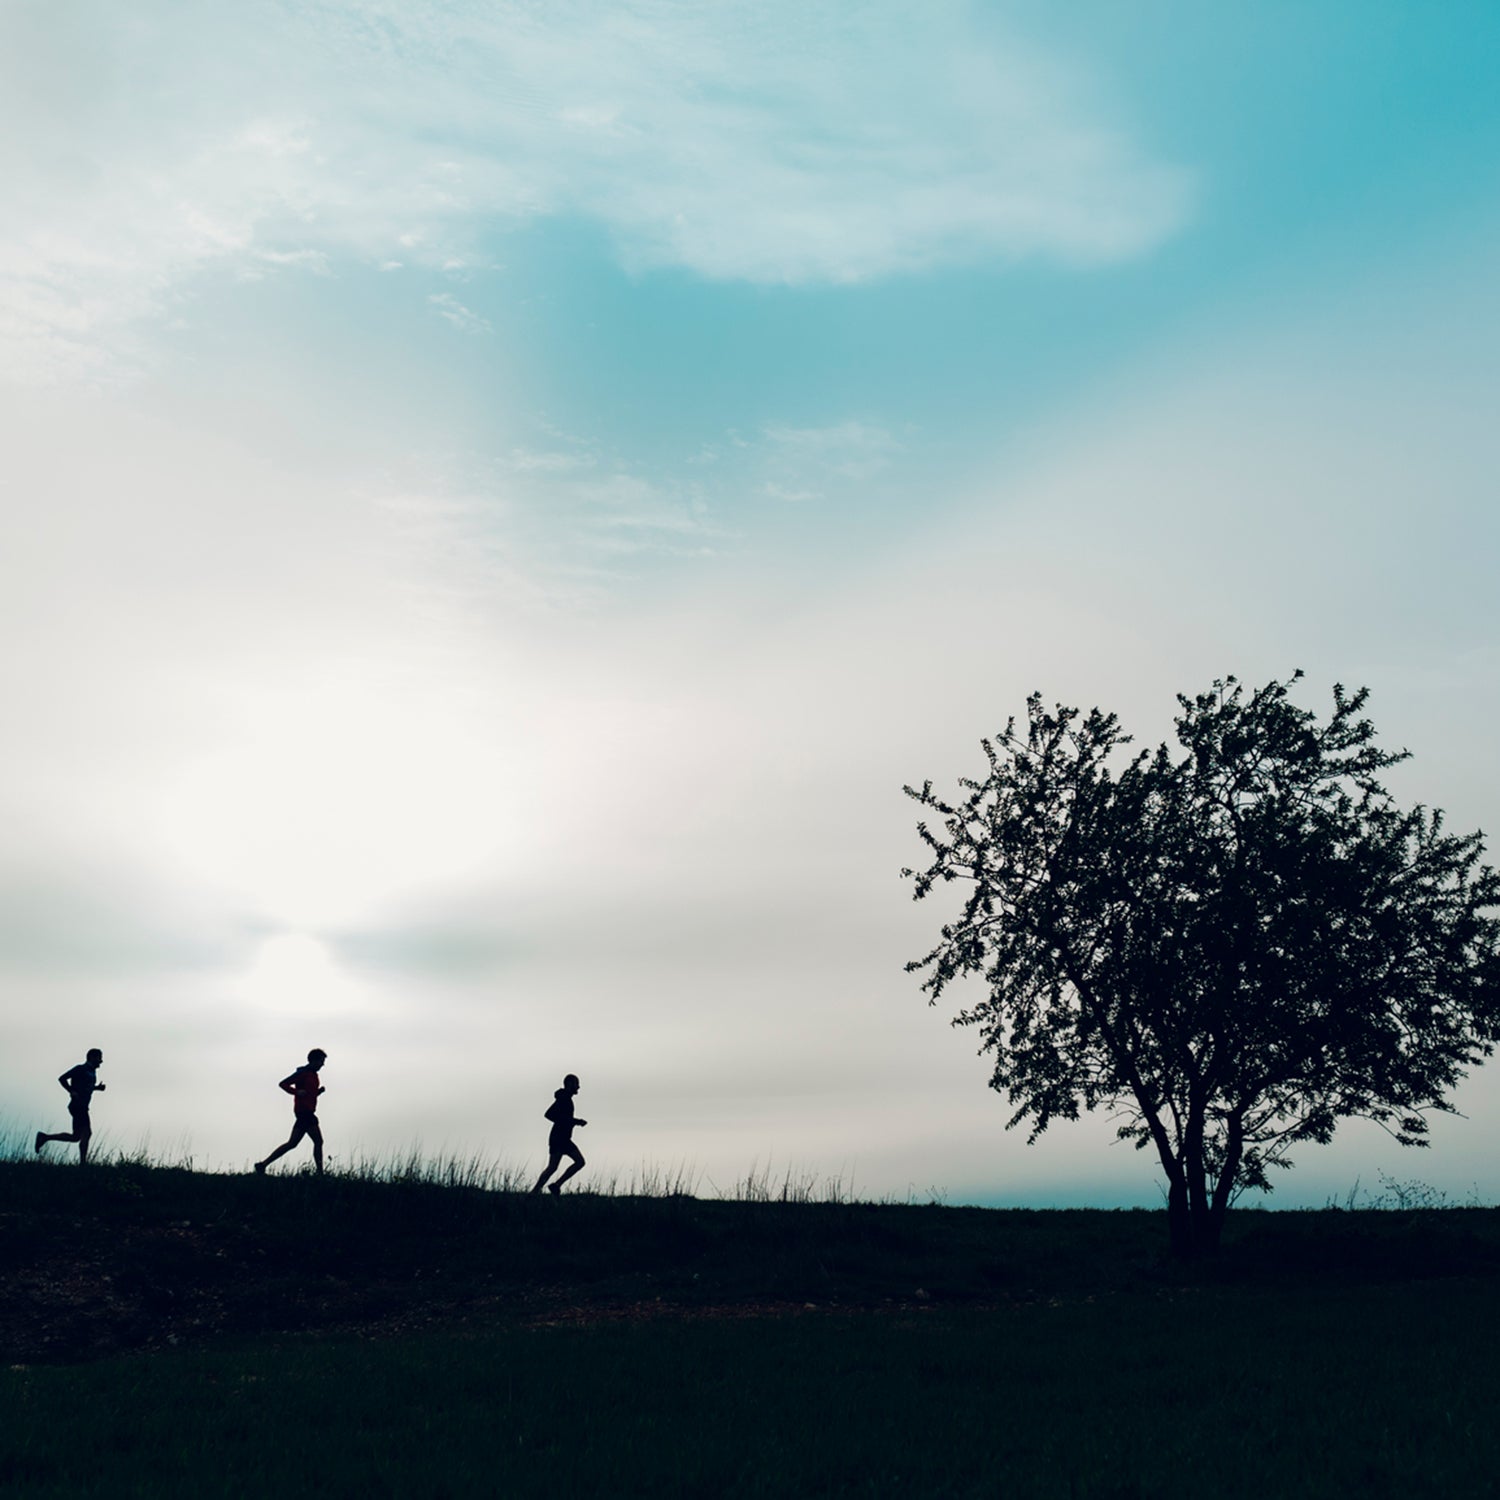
(774, 490)
(844, 451)
(762, 140)
(548, 530)
(528, 460)
(451, 310)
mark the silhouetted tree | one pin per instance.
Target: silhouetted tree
(1232, 945)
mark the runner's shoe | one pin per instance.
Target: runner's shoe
(41, 1140)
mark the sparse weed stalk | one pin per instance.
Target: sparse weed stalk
(1406, 1197)
(448, 1168)
(795, 1185)
(651, 1180)
(16, 1144)
(457, 1168)
(15, 1140)
(145, 1153)
(1351, 1199)
(934, 1197)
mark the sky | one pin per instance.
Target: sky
(500, 496)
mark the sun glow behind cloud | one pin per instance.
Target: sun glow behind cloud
(295, 975)
(335, 799)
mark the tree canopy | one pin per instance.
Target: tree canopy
(1231, 944)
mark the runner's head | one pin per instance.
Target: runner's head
(571, 1083)
(95, 1057)
(317, 1057)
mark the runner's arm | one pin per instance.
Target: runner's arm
(288, 1084)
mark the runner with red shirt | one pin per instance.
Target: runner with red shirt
(304, 1088)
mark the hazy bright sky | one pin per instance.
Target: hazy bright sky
(499, 495)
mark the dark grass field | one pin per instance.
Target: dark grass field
(168, 1333)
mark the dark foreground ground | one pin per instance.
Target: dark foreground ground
(165, 1333)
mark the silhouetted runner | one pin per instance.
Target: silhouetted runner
(560, 1141)
(304, 1088)
(82, 1083)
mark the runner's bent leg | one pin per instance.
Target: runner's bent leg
(82, 1129)
(578, 1163)
(298, 1131)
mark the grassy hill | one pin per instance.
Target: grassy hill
(169, 1332)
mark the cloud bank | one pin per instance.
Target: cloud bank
(769, 142)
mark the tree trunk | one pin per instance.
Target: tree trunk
(1193, 1224)
(1234, 1150)
(1195, 1174)
(1179, 1219)
(1179, 1209)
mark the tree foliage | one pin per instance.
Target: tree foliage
(1232, 944)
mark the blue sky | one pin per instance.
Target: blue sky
(501, 496)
